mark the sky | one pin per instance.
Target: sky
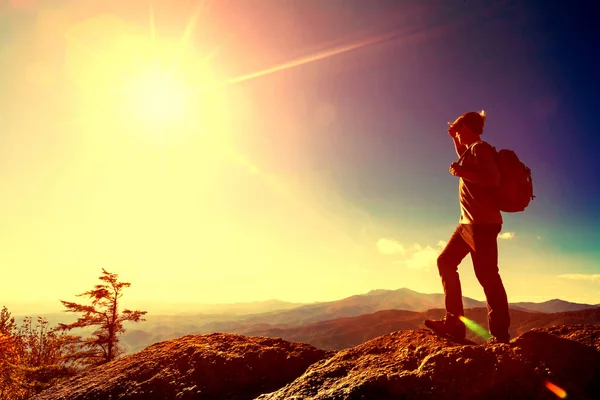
(247, 150)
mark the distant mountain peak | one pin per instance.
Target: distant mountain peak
(376, 292)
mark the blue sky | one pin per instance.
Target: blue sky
(531, 67)
(339, 182)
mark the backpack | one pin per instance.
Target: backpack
(516, 186)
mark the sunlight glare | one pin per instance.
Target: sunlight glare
(127, 82)
(304, 60)
(156, 99)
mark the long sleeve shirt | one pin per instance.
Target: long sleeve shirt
(476, 189)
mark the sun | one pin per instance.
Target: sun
(155, 98)
(139, 83)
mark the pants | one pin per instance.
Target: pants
(480, 240)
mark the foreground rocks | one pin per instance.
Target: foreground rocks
(419, 365)
(215, 366)
(409, 364)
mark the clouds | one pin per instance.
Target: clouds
(595, 278)
(390, 247)
(423, 257)
(506, 235)
(415, 257)
(418, 257)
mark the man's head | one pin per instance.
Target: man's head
(468, 127)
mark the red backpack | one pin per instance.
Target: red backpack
(516, 186)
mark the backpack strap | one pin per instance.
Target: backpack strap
(468, 150)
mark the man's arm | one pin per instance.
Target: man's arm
(485, 171)
(460, 148)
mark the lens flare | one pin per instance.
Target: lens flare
(482, 332)
(560, 392)
(308, 59)
(475, 328)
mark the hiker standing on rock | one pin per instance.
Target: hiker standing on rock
(477, 231)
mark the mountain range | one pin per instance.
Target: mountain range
(399, 309)
(402, 309)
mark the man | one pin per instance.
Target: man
(477, 231)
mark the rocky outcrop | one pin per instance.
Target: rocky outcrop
(214, 366)
(408, 364)
(419, 365)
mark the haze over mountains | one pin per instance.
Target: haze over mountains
(281, 312)
(330, 325)
(381, 311)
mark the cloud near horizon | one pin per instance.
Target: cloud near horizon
(506, 235)
(582, 277)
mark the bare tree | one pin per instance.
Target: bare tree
(104, 314)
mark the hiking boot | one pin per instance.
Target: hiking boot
(449, 325)
(499, 340)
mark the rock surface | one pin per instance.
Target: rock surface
(419, 365)
(214, 366)
(408, 364)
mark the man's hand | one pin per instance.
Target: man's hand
(455, 169)
(452, 132)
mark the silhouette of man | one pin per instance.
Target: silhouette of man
(477, 232)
